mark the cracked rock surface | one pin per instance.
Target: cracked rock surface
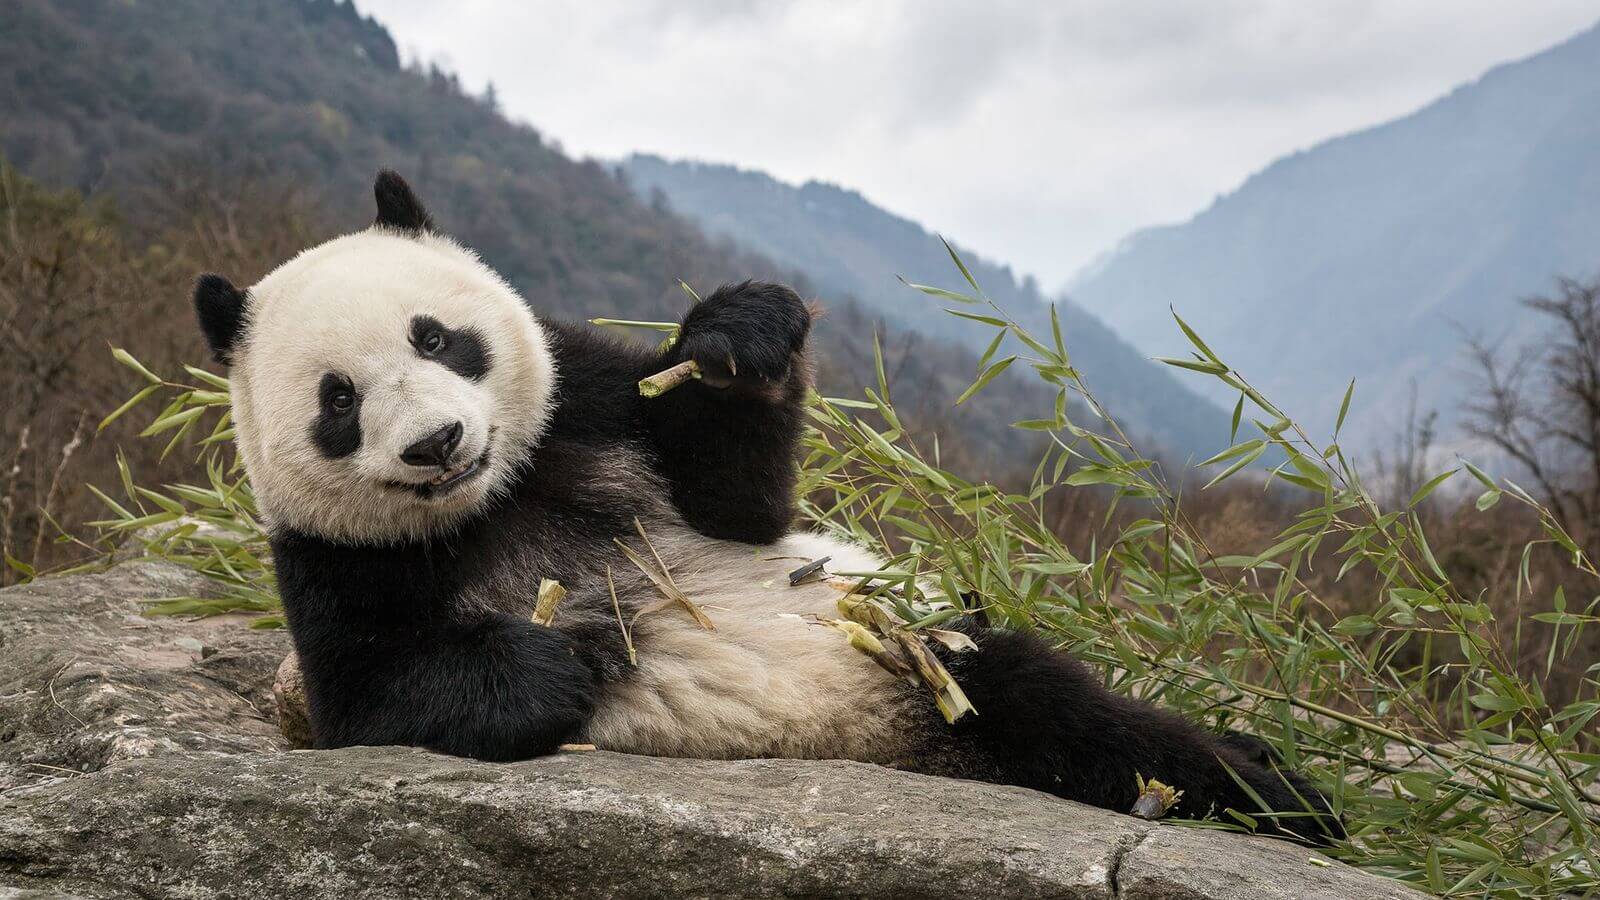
(139, 757)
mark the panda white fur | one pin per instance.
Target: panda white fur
(425, 450)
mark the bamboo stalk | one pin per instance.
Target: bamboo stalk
(667, 379)
(871, 617)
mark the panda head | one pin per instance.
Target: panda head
(386, 384)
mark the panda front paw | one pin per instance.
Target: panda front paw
(748, 335)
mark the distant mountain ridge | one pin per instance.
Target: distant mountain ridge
(1370, 254)
(851, 247)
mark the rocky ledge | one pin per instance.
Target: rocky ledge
(141, 757)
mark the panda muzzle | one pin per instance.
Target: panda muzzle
(446, 480)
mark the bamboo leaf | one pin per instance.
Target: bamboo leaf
(1344, 408)
(143, 394)
(979, 317)
(1209, 368)
(988, 375)
(216, 381)
(994, 345)
(125, 358)
(956, 258)
(941, 293)
(1235, 450)
(1195, 339)
(1237, 464)
(1428, 488)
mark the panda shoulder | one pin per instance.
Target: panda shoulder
(597, 375)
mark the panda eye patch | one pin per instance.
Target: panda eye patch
(463, 351)
(337, 429)
(338, 395)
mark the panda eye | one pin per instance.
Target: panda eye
(342, 401)
(433, 343)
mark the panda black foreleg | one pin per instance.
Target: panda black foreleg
(1046, 722)
(500, 688)
(726, 442)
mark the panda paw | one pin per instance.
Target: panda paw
(745, 335)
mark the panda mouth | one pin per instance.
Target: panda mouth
(446, 481)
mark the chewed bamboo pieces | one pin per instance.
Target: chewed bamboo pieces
(662, 579)
(875, 631)
(1155, 799)
(550, 595)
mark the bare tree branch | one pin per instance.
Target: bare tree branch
(1541, 409)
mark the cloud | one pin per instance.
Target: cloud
(1039, 134)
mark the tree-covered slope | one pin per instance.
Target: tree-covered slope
(139, 101)
(100, 94)
(1371, 254)
(848, 245)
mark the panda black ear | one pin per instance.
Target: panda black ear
(221, 308)
(398, 207)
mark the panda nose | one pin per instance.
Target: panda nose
(435, 449)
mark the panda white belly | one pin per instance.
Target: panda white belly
(762, 683)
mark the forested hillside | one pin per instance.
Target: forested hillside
(102, 95)
(227, 135)
(1374, 254)
(850, 246)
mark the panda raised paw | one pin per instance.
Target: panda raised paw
(748, 336)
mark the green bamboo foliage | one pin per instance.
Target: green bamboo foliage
(1455, 773)
(213, 527)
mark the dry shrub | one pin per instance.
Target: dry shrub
(77, 278)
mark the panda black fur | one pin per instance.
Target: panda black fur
(425, 451)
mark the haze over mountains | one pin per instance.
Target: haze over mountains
(852, 248)
(1370, 255)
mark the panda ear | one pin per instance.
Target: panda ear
(221, 308)
(398, 207)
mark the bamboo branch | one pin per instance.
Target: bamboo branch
(667, 379)
(662, 580)
(627, 636)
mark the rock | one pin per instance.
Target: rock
(289, 699)
(392, 822)
(138, 767)
(86, 680)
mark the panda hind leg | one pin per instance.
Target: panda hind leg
(1045, 721)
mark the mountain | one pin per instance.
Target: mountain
(145, 102)
(1372, 254)
(851, 247)
(115, 97)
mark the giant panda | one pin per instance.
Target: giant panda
(425, 450)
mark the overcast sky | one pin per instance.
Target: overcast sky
(1035, 133)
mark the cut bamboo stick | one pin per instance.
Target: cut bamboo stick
(667, 379)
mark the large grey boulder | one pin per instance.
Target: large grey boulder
(87, 681)
(139, 757)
